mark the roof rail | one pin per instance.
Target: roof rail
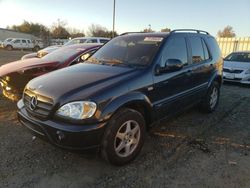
(194, 30)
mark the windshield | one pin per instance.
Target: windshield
(60, 55)
(128, 50)
(8, 40)
(240, 57)
(75, 41)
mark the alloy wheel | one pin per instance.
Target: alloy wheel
(127, 138)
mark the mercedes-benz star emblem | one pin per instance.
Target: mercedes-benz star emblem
(33, 103)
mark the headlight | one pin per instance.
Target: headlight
(77, 110)
(248, 71)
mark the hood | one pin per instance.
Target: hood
(50, 48)
(80, 80)
(25, 64)
(237, 65)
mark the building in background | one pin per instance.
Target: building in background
(7, 33)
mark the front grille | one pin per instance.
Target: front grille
(236, 71)
(236, 79)
(43, 107)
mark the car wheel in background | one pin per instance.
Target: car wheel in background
(36, 48)
(9, 47)
(124, 137)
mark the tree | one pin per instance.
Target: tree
(75, 32)
(36, 29)
(59, 30)
(147, 30)
(95, 30)
(227, 32)
(165, 29)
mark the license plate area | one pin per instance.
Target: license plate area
(230, 76)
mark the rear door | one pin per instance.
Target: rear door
(202, 66)
(24, 44)
(172, 88)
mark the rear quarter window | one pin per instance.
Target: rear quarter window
(213, 48)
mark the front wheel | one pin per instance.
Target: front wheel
(124, 137)
(211, 100)
(9, 47)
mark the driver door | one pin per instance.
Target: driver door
(172, 88)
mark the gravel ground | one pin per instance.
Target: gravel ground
(191, 150)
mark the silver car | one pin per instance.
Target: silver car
(237, 67)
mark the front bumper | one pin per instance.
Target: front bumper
(64, 135)
(239, 78)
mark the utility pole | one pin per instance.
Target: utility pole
(113, 33)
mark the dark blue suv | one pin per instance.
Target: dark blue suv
(129, 84)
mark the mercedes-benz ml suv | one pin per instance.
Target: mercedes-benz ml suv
(129, 84)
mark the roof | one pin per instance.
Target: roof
(11, 30)
(165, 34)
(154, 34)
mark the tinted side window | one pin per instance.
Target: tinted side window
(197, 49)
(175, 48)
(103, 41)
(92, 41)
(17, 41)
(213, 47)
(28, 41)
(23, 41)
(206, 52)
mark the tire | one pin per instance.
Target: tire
(36, 48)
(9, 47)
(211, 100)
(119, 149)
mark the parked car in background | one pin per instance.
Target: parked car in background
(78, 40)
(21, 43)
(237, 67)
(129, 84)
(14, 76)
(5, 42)
(42, 52)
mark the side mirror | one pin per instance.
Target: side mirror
(170, 65)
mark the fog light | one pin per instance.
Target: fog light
(60, 135)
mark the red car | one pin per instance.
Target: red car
(14, 76)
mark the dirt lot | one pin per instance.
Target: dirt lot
(191, 150)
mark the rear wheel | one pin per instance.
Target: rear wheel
(36, 48)
(211, 100)
(124, 137)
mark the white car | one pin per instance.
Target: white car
(237, 67)
(21, 43)
(78, 40)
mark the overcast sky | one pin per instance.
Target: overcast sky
(132, 15)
